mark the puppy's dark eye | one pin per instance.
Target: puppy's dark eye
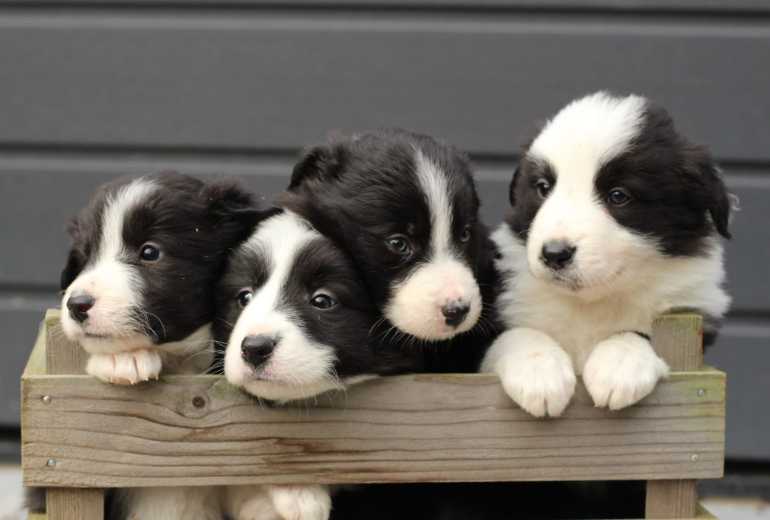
(618, 197)
(322, 300)
(466, 234)
(399, 244)
(149, 252)
(244, 297)
(543, 187)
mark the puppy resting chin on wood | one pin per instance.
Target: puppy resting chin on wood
(138, 283)
(615, 220)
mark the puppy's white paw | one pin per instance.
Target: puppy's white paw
(125, 368)
(534, 370)
(302, 502)
(622, 370)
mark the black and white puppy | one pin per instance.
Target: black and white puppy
(405, 207)
(615, 221)
(139, 295)
(140, 277)
(296, 319)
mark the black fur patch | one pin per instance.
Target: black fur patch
(360, 190)
(677, 194)
(194, 223)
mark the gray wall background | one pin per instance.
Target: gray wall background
(91, 90)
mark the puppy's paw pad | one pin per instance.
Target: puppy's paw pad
(622, 371)
(302, 502)
(542, 381)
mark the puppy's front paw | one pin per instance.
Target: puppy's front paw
(302, 502)
(622, 370)
(534, 370)
(125, 368)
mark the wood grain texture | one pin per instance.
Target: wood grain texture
(75, 504)
(62, 355)
(678, 339)
(671, 499)
(399, 429)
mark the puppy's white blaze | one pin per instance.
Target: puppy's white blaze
(589, 132)
(415, 306)
(436, 190)
(299, 366)
(112, 282)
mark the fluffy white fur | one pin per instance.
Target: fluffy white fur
(444, 278)
(618, 281)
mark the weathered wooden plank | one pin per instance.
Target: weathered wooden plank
(210, 79)
(36, 365)
(678, 339)
(389, 430)
(74, 504)
(671, 499)
(62, 355)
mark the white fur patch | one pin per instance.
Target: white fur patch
(589, 132)
(622, 370)
(299, 366)
(416, 302)
(301, 502)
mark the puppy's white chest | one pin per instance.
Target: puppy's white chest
(577, 326)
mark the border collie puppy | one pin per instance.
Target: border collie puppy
(615, 221)
(405, 207)
(139, 295)
(139, 281)
(296, 319)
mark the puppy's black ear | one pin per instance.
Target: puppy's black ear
(233, 209)
(75, 259)
(319, 163)
(700, 165)
(512, 187)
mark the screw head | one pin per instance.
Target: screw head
(694, 457)
(701, 392)
(46, 399)
(50, 463)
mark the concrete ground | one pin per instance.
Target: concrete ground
(722, 508)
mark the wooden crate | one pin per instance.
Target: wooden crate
(80, 436)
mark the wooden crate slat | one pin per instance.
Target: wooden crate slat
(388, 430)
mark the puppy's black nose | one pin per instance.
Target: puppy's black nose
(455, 312)
(79, 304)
(257, 349)
(557, 254)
